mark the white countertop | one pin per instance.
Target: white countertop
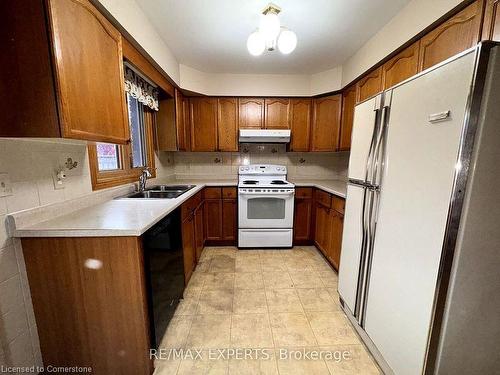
(133, 217)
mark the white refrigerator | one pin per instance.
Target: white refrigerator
(409, 174)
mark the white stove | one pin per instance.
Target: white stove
(265, 206)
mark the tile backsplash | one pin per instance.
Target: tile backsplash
(318, 166)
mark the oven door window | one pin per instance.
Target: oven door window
(265, 208)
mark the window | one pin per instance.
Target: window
(112, 164)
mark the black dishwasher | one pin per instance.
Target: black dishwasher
(164, 266)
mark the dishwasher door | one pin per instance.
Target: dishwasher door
(164, 269)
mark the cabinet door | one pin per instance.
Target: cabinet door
(300, 113)
(251, 113)
(302, 220)
(320, 230)
(88, 61)
(402, 66)
(277, 113)
(188, 246)
(199, 231)
(491, 23)
(213, 219)
(348, 104)
(229, 214)
(180, 122)
(453, 36)
(326, 123)
(227, 124)
(203, 124)
(335, 242)
(369, 85)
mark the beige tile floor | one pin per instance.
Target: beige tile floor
(270, 303)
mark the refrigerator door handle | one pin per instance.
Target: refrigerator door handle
(375, 167)
(369, 159)
(362, 262)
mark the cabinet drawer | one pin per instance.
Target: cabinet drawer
(303, 193)
(212, 193)
(229, 192)
(323, 198)
(338, 204)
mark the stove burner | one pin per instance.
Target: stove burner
(250, 182)
(278, 182)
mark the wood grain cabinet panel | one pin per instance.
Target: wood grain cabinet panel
(188, 229)
(88, 61)
(227, 124)
(213, 219)
(300, 123)
(182, 121)
(90, 316)
(451, 37)
(28, 103)
(326, 123)
(402, 66)
(251, 113)
(322, 228)
(335, 241)
(369, 85)
(199, 222)
(277, 113)
(348, 104)
(491, 23)
(203, 124)
(302, 220)
(229, 215)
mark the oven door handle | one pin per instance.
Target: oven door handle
(267, 193)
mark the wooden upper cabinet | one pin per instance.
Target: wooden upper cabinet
(402, 66)
(88, 61)
(203, 124)
(348, 104)
(369, 85)
(300, 115)
(277, 113)
(180, 121)
(251, 113)
(491, 24)
(326, 123)
(227, 127)
(453, 36)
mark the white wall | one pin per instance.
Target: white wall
(244, 84)
(412, 19)
(132, 18)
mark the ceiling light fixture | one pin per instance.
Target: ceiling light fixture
(271, 34)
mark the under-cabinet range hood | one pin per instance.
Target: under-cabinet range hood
(264, 136)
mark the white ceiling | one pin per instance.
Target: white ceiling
(210, 35)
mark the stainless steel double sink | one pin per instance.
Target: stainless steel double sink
(161, 192)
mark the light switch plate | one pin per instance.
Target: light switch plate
(5, 185)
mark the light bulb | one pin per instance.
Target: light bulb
(287, 41)
(256, 43)
(270, 25)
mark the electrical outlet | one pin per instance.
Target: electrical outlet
(5, 185)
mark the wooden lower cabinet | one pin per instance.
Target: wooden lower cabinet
(213, 219)
(90, 313)
(229, 215)
(329, 223)
(189, 246)
(302, 216)
(199, 222)
(221, 215)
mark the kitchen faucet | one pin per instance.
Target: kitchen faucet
(143, 178)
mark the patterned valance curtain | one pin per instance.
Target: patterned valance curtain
(141, 89)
